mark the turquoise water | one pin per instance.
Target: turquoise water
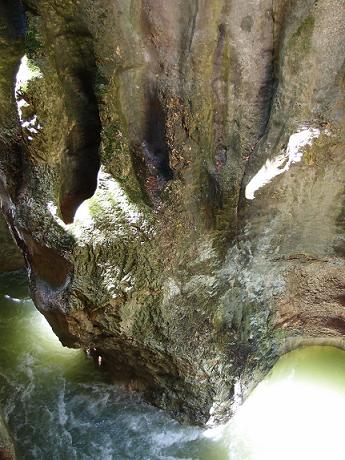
(59, 405)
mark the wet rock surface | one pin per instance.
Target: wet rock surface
(10, 256)
(6, 446)
(174, 178)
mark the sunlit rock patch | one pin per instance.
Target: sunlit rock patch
(27, 71)
(280, 164)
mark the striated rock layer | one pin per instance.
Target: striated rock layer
(173, 173)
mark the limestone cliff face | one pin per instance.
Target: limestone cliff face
(174, 179)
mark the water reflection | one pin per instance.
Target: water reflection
(296, 413)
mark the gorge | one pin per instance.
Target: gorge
(172, 172)
(59, 405)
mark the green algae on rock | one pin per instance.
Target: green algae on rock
(166, 215)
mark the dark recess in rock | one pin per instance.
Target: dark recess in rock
(187, 277)
(80, 159)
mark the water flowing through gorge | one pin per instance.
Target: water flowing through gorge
(59, 406)
(172, 180)
(173, 175)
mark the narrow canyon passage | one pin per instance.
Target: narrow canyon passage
(59, 406)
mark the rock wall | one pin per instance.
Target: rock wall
(173, 173)
(6, 446)
(10, 256)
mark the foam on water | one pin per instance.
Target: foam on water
(59, 406)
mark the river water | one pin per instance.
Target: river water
(60, 407)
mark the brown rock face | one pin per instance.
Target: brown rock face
(10, 257)
(175, 180)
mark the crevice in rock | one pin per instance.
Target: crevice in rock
(156, 137)
(220, 88)
(266, 98)
(80, 160)
(270, 83)
(153, 165)
(193, 24)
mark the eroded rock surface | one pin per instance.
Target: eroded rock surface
(6, 445)
(174, 178)
(10, 256)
